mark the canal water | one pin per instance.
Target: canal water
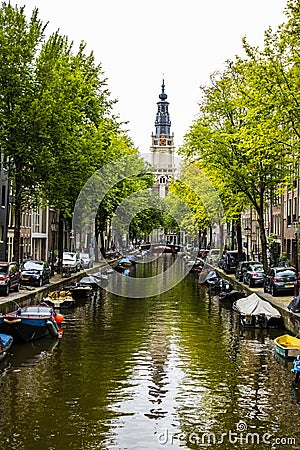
(174, 371)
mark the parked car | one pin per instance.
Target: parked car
(231, 261)
(241, 269)
(254, 275)
(85, 260)
(203, 252)
(280, 279)
(71, 262)
(9, 277)
(213, 256)
(35, 273)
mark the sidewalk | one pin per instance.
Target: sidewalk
(29, 295)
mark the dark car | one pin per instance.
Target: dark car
(242, 268)
(231, 261)
(254, 275)
(280, 279)
(35, 273)
(9, 277)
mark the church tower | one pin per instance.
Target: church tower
(162, 148)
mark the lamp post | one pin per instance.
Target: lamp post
(54, 228)
(72, 237)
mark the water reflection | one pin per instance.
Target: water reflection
(146, 374)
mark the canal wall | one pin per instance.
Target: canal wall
(291, 320)
(33, 296)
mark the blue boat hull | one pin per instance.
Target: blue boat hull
(29, 323)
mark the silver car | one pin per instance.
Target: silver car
(255, 275)
(86, 261)
(71, 262)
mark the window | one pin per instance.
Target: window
(162, 180)
(295, 210)
(289, 212)
(3, 195)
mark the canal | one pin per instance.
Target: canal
(173, 371)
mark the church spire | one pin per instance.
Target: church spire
(162, 121)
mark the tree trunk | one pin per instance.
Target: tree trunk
(60, 241)
(96, 244)
(232, 236)
(239, 240)
(221, 227)
(17, 228)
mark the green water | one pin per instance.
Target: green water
(168, 372)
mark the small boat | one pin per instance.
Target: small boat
(31, 322)
(125, 262)
(197, 267)
(258, 313)
(287, 346)
(132, 259)
(210, 279)
(79, 291)
(59, 300)
(91, 281)
(231, 296)
(215, 282)
(5, 343)
(296, 368)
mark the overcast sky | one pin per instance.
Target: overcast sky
(138, 42)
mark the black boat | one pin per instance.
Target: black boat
(79, 291)
(231, 296)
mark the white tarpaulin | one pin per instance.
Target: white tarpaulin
(254, 305)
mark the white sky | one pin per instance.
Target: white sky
(137, 42)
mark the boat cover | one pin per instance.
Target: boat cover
(89, 280)
(211, 274)
(253, 305)
(125, 260)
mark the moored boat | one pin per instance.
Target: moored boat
(125, 262)
(5, 343)
(231, 296)
(287, 346)
(59, 300)
(296, 368)
(91, 281)
(31, 322)
(258, 313)
(79, 291)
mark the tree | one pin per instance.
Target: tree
(238, 134)
(24, 161)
